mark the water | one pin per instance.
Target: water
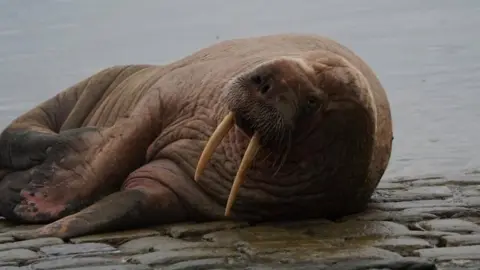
(426, 53)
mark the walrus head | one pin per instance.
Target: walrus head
(280, 101)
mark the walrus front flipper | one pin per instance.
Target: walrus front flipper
(23, 149)
(143, 201)
(24, 142)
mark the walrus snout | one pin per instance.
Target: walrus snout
(272, 90)
(261, 82)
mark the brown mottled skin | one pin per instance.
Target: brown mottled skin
(119, 149)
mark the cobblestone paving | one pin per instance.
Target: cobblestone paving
(416, 224)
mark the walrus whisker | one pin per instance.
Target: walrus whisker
(212, 143)
(250, 153)
(279, 132)
(283, 157)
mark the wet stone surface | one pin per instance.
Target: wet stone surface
(422, 224)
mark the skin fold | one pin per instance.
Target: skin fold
(120, 148)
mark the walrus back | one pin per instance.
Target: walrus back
(111, 94)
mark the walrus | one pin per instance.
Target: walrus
(265, 128)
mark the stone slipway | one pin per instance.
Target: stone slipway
(416, 224)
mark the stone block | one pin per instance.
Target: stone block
(448, 225)
(84, 248)
(115, 238)
(32, 244)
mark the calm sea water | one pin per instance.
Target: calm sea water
(426, 53)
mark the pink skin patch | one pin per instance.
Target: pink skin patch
(35, 204)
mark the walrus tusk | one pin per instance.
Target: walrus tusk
(212, 143)
(252, 148)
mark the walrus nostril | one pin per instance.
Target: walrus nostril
(256, 79)
(261, 83)
(265, 88)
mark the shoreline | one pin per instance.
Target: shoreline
(428, 222)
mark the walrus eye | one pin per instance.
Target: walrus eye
(265, 88)
(312, 104)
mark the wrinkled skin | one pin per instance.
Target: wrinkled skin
(119, 149)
